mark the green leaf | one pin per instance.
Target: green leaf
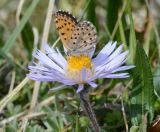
(142, 95)
(28, 38)
(52, 121)
(134, 129)
(156, 81)
(122, 34)
(91, 13)
(1, 36)
(112, 13)
(10, 42)
(77, 124)
(132, 35)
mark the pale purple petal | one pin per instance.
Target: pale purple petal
(62, 58)
(92, 84)
(67, 81)
(80, 88)
(46, 61)
(65, 50)
(118, 58)
(91, 53)
(123, 68)
(55, 56)
(83, 72)
(43, 70)
(116, 62)
(47, 78)
(43, 78)
(39, 75)
(112, 64)
(104, 53)
(108, 69)
(52, 75)
(116, 53)
(118, 75)
(38, 67)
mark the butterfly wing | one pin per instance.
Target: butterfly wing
(65, 24)
(84, 38)
(76, 37)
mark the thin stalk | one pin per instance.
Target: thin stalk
(89, 111)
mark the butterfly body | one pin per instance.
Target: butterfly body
(77, 37)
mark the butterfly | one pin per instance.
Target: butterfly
(77, 37)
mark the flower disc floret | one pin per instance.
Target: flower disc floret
(77, 63)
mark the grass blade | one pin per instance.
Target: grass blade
(142, 96)
(91, 13)
(10, 42)
(28, 39)
(132, 35)
(112, 13)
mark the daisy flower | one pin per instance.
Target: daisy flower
(79, 69)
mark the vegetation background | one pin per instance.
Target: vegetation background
(120, 105)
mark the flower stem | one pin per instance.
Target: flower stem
(89, 111)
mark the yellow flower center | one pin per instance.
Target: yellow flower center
(79, 62)
(75, 66)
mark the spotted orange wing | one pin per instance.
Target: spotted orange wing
(65, 24)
